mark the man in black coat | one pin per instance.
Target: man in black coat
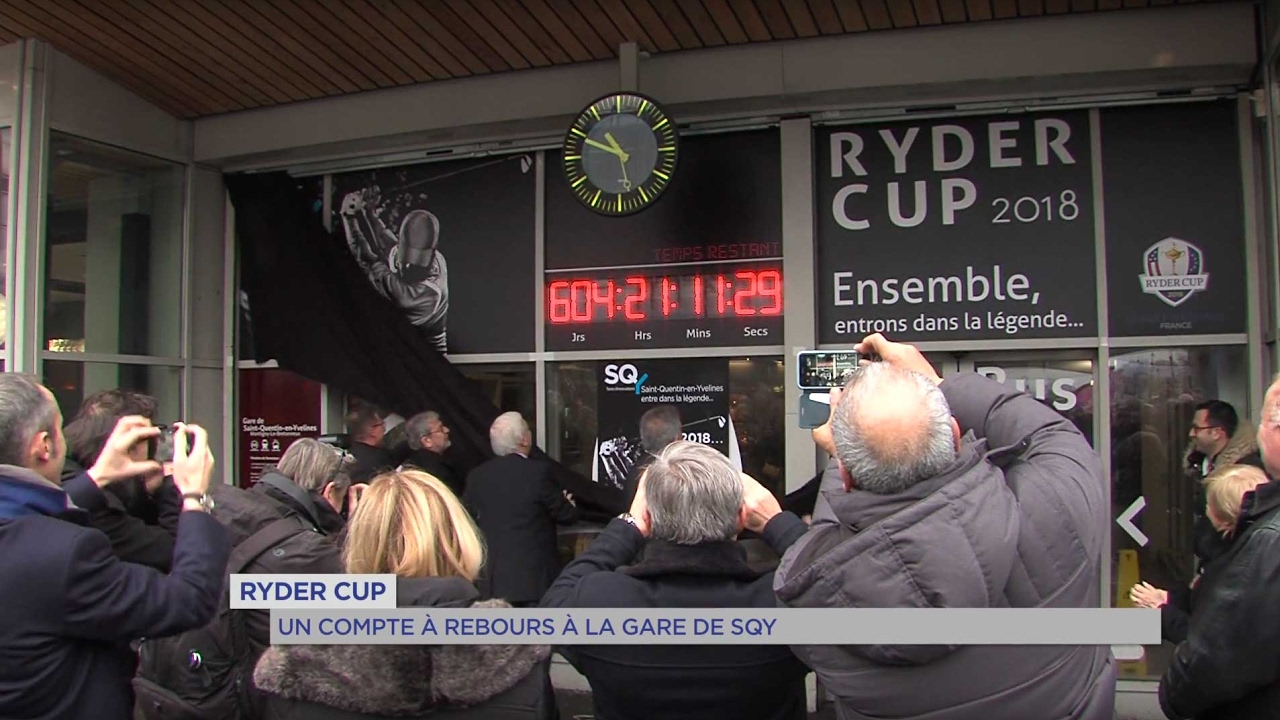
(139, 515)
(71, 607)
(428, 439)
(689, 508)
(366, 428)
(517, 506)
(1228, 668)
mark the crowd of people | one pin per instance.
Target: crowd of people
(117, 538)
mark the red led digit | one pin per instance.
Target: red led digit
(697, 295)
(771, 287)
(631, 307)
(606, 299)
(748, 292)
(720, 294)
(558, 307)
(580, 289)
(666, 298)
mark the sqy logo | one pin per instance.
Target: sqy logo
(624, 375)
(1174, 271)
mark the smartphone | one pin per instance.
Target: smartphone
(823, 370)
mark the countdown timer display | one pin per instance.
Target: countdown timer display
(681, 306)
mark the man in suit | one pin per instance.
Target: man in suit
(428, 438)
(71, 606)
(659, 427)
(366, 428)
(517, 506)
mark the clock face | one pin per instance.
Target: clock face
(620, 154)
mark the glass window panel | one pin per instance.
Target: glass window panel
(571, 414)
(510, 387)
(6, 164)
(757, 407)
(113, 263)
(1064, 385)
(71, 381)
(1153, 396)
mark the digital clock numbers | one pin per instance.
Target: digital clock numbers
(699, 305)
(638, 298)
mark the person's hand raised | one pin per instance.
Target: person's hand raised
(640, 508)
(192, 467)
(759, 506)
(901, 355)
(115, 462)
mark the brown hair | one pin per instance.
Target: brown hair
(409, 524)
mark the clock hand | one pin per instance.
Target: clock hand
(620, 152)
(606, 148)
(626, 184)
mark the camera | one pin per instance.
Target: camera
(161, 448)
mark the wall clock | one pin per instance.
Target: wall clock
(620, 154)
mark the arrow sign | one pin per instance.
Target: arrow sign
(1125, 521)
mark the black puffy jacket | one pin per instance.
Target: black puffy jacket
(1228, 668)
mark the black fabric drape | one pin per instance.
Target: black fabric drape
(316, 314)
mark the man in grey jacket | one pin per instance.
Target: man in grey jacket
(959, 494)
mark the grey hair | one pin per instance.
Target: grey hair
(889, 467)
(693, 493)
(26, 409)
(418, 426)
(508, 433)
(659, 428)
(311, 465)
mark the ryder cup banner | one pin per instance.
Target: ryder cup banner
(312, 592)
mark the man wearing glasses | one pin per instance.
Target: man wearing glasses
(428, 439)
(1217, 438)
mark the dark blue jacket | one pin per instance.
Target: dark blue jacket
(71, 608)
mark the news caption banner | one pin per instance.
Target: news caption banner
(957, 229)
(361, 610)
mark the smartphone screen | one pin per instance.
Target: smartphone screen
(819, 370)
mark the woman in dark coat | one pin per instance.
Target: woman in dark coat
(437, 564)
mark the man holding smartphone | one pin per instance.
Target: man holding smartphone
(960, 493)
(71, 606)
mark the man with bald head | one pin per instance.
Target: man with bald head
(961, 493)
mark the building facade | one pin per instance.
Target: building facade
(1082, 205)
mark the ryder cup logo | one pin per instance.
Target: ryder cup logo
(1175, 271)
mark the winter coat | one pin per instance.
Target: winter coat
(1228, 668)
(1241, 449)
(131, 538)
(444, 682)
(310, 552)
(517, 506)
(638, 682)
(1018, 521)
(71, 606)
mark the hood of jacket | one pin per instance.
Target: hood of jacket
(399, 680)
(23, 492)
(948, 542)
(324, 517)
(1243, 443)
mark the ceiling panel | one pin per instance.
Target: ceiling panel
(204, 57)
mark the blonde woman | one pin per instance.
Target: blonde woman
(409, 524)
(1225, 489)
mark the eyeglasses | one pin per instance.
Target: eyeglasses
(1202, 428)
